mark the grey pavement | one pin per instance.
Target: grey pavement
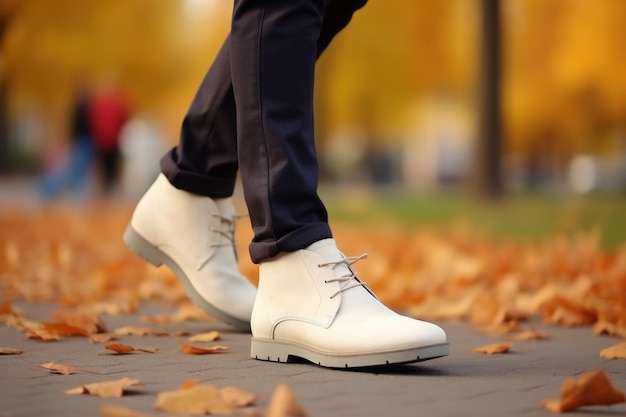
(462, 384)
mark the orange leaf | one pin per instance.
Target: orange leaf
(139, 331)
(63, 369)
(592, 388)
(63, 329)
(112, 410)
(124, 348)
(206, 337)
(87, 320)
(494, 348)
(197, 350)
(237, 397)
(200, 399)
(530, 334)
(105, 389)
(10, 351)
(617, 351)
(190, 383)
(101, 337)
(284, 403)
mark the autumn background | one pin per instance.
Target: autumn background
(415, 166)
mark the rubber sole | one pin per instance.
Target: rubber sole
(280, 351)
(156, 257)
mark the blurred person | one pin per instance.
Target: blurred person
(253, 114)
(73, 172)
(141, 145)
(108, 113)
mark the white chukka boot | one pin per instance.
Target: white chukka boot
(311, 305)
(194, 236)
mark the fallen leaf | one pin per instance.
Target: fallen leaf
(592, 388)
(617, 351)
(197, 350)
(206, 337)
(63, 369)
(200, 399)
(63, 329)
(190, 383)
(10, 351)
(609, 328)
(112, 410)
(530, 334)
(124, 348)
(101, 337)
(494, 348)
(188, 312)
(568, 313)
(139, 331)
(284, 403)
(237, 397)
(86, 320)
(105, 389)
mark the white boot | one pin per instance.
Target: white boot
(194, 236)
(311, 305)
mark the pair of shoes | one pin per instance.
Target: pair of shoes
(194, 236)
(310, 304)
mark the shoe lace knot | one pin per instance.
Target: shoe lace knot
(348, 280)
(226, 229)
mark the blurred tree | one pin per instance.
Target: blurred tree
(487, 175)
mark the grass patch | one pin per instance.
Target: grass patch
(526, 217)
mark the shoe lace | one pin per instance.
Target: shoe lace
(346, 281)
(227, 230)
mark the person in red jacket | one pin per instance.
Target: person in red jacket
(108, 113)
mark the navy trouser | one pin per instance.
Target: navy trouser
(253, 112)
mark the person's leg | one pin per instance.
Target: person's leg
(273, 54)
(310, 304)
(205, 160)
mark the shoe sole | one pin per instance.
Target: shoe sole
(279, 351)
(156, 257)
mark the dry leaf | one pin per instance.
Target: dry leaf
(284, 403)
(592, 388)
(101, 337)
(139, 331)
(86, 320)
(35, 330)
(112, 410)
(10, 351)
(206, 337)
(188, 312)
(200, 399)
(197, 350)
(124, 348)
(63, 369)
(190, 383)
(530, 334)
(617, 351)
(494, 348)
(105, 389)
(609, 328)
(63, 329)
(237, 397)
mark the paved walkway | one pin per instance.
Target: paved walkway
(463, 384)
